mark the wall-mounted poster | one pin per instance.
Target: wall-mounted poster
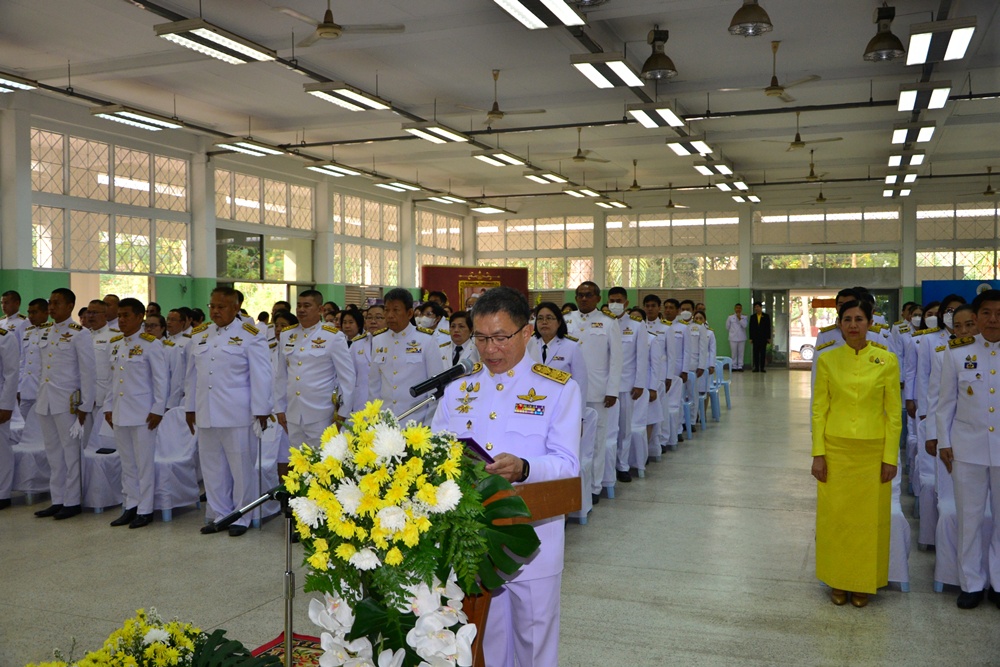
(464, 284)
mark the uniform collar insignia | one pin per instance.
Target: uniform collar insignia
(235, 340)
(531, 396)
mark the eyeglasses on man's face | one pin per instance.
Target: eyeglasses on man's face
(499, 340)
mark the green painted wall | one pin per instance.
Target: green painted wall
(910, 294)
(719, 302)
(335, 293)
(175, 291)
(32, 284)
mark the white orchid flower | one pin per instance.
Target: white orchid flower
(425, 599)
(389, 659)
(334, 652)
(430, 637)
(464, 638)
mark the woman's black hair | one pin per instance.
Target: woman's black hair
(548, 305)
(923, 316)
(864, 305)
(355, 315)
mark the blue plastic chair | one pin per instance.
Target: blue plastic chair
(713, 395)
(724, 371)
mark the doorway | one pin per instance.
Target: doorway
(776, 305)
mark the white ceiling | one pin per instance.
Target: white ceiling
(445, 56)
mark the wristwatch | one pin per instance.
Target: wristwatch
(525, 470)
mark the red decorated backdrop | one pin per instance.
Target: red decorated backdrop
(462, 282)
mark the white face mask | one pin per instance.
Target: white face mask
(685, 316)
(949, 320)
(616, 308)
(931, 321)
(425, 322)
(915, 321)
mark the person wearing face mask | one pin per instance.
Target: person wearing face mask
(695, 350)
(761, 336)
(632, 385)
(430, 315)
(657, 328)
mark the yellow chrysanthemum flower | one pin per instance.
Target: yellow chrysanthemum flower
(423, 524)
(343, 529)
(345, 551)
(298, 459)
(369, 484)
(449, 468)
(410, 535)
(303, 529)
(369, 413)
(418, 438)
(361, 534)
(369, 505)
(396, 493)
(329, 433)
(428, 494)
(319, 560)
(365, 457)
(393, 557)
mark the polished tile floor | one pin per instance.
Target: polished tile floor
(706, 561)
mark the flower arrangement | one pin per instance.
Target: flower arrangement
(395, 534)
(147, 641)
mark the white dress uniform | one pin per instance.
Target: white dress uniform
(137, 389)
(968, 421)
(564, 354)
(102, 368)
(229, 382)
(695, 357)
(361, 354)
(66, 353)
(177, 367)
(736, 329)
(674, 395)
(703, 381)
(658, 374)
(314, 369)
(399, 361)
(31, 367)
(10, 364)
(468, 351)
(635, 374)
(16, 323)
(533, 412)
(601, 338)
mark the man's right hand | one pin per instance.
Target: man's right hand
(609, 401)
(190, 421)
(931, 447)
(282, 421)
(947, 457)
(911, 408)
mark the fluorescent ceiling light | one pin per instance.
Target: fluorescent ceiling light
(396, 185)
(346, 96)
(907, 159)
(718, 168)
(740, 185)
(753, 198)
(739, 199)
(573, 192)
(606, 70)
(924, 95)
(201, 36)
(654, 115)
(248, 146)
(447, 199)
(434, 132)
(724, 186)
(940, 40)
(333, 169)
(691, 145)
(488, 209)
(545, 176)
(612, 203)
(538, 14)
(141, 119)
(581, 191)
(532, 176)
(498, 158)
(909, 133)
(894, 192)
(10, 83)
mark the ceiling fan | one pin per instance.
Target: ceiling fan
(328, 29)
(635, 187)
(582, 155)
(797, 143)
(494, 113)
(989, 191)
(670, 198)
(776, 89)
(821, 199)
(812, 177)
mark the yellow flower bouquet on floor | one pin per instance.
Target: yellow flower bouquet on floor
(394, 531)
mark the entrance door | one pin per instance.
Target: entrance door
(776, 305)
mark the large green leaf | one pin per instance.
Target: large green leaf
(520, 539)
(217, 651)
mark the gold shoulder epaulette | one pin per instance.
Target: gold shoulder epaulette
(429, 332)
(3, 332)
(117, 338)
(879, 345)
(551, 373)
(828, 328)
(332, 329)
(904, 329)
(273, 345)
(940, 348)
(686, 323)
(149, 338)
(928, 331)
(825, 345)
(445, 344)
(115, 330)
(360, 336)
(961, 342)
(30, 327)
(446, 332)
(636, 317)
(380, 331)
(572, 338)
(607, 311)
(288, 328)
(877, 328)
(198, 329)
(899, 322)
(669, 323)
(187, 335)
(75, 327)
(46, 325)
(169, 343)
(251, 328)
(20, 316)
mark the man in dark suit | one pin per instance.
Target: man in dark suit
(760, 336)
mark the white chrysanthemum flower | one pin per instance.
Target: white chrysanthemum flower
(393, 518)
(389, 443)
(448, 495)
(365, 559)
(349, 496)
(307, 511)
(335, 447)
(156, 635)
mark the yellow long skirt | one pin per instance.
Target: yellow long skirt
(852, 517)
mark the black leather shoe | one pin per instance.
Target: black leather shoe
(5, 503)
(51, 510)
(141, 520)
(595, 498)
(993, 596)
(126, 517)
(236, 531)
(623, 476)
(680, 439)
(67, 512)
(209, 529)
(970, 600)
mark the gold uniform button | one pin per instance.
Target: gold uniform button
(120, 381)
(493, 415)
(500, 387)
(510, 373)
(991, 408)
(300, 363)
(298, 393)
(394, 357)
(297, 377)
(992, 390)
(991, 429)
(993, 371)
(121, 393)
(489, 446)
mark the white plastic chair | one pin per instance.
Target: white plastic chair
(176, 465)
(101, 473)
(31, 467)
(927, 497)
(899, 541)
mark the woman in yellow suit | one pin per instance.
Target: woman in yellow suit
(855, 446)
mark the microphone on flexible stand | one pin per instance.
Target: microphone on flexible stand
(464, 367)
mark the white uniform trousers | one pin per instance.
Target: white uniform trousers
(637, 444)
(6, 462)
(738, 348)
(523, 624)
(137, 448)
(672, 404)
(63, 454)
(654, 410)
(227, 465)
(587, 434)
(911, 443)
(619, 437)
(973, 485)
(592, 458)
(25, 407)
(310, 434)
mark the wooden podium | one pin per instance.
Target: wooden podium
(544, 500)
